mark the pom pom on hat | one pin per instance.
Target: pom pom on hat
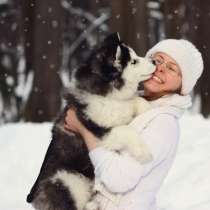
(187, 57)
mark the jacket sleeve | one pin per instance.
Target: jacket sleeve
(120, 173)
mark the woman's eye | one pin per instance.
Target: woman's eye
(158, 62)
(171, 69)
(134, 62)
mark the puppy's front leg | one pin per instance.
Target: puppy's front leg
(125, 138)
(92, 204)
(141, 105)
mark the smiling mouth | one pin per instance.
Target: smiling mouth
(157, 79)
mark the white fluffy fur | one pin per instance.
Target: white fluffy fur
(116, 110)
(120, 106)
(80, 187)
(109, 112)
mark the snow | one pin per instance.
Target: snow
(187, 187)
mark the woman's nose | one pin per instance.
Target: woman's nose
(160, 68)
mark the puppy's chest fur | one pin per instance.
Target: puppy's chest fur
(105, 112)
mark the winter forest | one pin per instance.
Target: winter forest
(42, 41)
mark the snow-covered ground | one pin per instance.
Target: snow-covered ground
(187, 187)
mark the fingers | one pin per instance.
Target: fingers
(69, 114)
(67, 120)
(71, 122)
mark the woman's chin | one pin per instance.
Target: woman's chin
(152, 86)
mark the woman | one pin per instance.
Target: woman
(178, 66)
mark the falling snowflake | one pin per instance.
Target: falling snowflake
(176, 11)
(196, 27)
(44, 57)
(36, 89)
(40, 111)
(118, 16)
(49, 42)
(54, 23)
(197, 15)
(10, 80)
(52, 66)
(28, 44)
(14, 27)
(134, 11)
(50, 9)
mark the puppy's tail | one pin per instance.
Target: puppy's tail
(29, 198)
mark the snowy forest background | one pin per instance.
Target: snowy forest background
(41, 41)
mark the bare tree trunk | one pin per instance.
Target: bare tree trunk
(174, 13)
(44, 57)
(129, 18)
(198, 33)
(28, 18)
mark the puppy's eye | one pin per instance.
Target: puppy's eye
(133, 62)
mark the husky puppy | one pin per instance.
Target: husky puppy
(104, 94)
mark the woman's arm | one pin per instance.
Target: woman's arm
(72, 123)
(121, 173)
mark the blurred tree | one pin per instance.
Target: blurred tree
(188, 19)
(40, 42)
(198, 17)
(156, 21)
(43, 42)
(129, 18)
(174, 16)
(9, 60)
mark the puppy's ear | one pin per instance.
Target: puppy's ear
(113, 38)
(110, 44)
(118, 53)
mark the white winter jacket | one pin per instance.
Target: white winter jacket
(128, 185)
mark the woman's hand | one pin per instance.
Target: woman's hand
(72, 122)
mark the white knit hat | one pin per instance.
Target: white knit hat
(187, 57)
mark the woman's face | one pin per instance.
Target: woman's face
(166, 79)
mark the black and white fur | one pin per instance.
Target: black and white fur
(104, 94)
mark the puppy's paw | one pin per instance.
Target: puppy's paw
(140, 152)
(91, 206)
(141, 105)
(115, 139)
